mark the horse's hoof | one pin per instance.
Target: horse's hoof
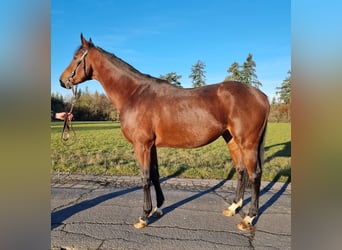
(140, 223)
(243, 226)
(246, 224)
(228, 212)
(157, 212)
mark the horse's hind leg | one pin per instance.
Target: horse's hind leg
(154, 174)
(236, 155)
(248, 169)
(254, 174)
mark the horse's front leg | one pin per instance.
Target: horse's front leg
(143, 155)
(154, 174)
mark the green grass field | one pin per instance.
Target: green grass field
(101, 149)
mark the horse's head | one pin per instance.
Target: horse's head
(78, 70)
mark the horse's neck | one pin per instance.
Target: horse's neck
(118, 85)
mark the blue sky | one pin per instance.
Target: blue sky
(158, 37)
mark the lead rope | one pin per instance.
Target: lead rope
(67, 128)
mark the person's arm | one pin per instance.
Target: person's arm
(61, 115)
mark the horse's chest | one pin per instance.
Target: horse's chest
(137, 129)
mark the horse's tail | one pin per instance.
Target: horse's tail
(260, 160)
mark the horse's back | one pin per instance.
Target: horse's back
(242, 93)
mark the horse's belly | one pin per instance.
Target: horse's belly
(187, 137)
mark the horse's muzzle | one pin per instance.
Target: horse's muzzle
(65, 84)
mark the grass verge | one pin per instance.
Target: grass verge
(101, 149)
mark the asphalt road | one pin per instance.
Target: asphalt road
(98, 212)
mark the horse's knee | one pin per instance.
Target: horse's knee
(254, 178)
(240, 169)
(146, 182)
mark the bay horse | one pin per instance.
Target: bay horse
(154, 113)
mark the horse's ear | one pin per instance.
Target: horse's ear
(90, 42)
(84, 42)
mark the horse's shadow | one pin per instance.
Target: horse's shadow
(180, 203)
(231, 173)
(57, 217)
(276, 196)
(285, 151)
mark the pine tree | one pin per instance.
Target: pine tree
(234, 69)
(248, 72)
(198, 74)
(172, 78)
(245, 73)
(285, 90)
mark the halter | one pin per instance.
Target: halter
(67, 127)
(73, 73)
(67, 122)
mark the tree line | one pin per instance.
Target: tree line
(89, 106)
(96, 106)
(281, 105)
